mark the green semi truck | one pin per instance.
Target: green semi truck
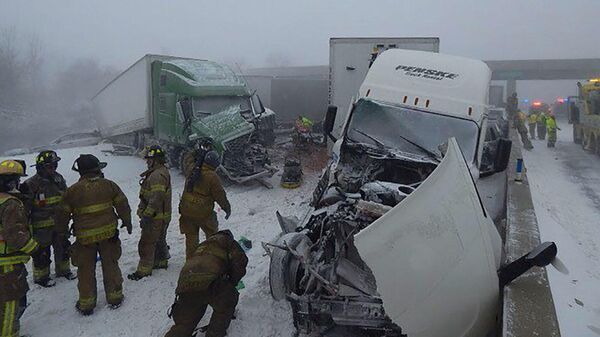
(175, 101)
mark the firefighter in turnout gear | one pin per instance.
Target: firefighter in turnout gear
(16, 245)
(551, 127)
(209, 277)
(47, 187)
(155, 214)
(541, 125)
(95, 204)
(197, 204)
(532, 121)
(520, 121)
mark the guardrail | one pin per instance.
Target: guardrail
(528, 306)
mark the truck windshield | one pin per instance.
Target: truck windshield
(210, 105)
(410, 130)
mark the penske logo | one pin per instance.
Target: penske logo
(432, 74)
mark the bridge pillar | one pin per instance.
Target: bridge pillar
(511, 87)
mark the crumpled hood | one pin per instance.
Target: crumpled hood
(434, 256)
(223, 126)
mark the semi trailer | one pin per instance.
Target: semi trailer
(175, 101)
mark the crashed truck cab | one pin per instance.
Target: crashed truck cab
(396, 240)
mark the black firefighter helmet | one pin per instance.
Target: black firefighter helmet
(154, 151)
(46, 157)
(87, 163)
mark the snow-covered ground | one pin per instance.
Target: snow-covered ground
(565, 185)
(51, 312)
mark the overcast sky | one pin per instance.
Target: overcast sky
(119, 31)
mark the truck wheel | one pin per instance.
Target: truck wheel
(282, 267)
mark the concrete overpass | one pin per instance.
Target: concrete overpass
(293, 91)
(512, 71)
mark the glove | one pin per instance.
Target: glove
(128, 226)
(146, 222)
(227, 215)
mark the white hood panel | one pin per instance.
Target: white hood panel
(434, 256)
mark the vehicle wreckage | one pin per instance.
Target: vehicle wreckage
(397, 241)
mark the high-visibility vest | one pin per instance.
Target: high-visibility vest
(533, 118)
(550, 123)
(8, 254)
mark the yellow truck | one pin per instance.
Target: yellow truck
(584, 114)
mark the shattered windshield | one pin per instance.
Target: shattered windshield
(210, 105)
(409, 130)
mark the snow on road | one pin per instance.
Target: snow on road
(51, 312)
(565, 185)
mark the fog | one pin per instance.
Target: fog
(56, 54)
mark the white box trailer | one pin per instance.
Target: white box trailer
(350, 60)
(124, 105)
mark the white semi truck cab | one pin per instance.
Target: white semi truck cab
(414, 101)
(396, 240)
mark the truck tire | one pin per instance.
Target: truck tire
(280, 281)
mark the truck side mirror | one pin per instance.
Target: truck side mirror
(541, 256)
(502, 155)
(329, 121)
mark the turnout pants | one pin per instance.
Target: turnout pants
(152, 237)
(532, 131)
(13, 300)
(190, 227)
(551, 137)
(41, 258)
(161, 253)
(190, 307)
(541, 130)
(84, 258)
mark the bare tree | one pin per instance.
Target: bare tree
(9, 67)
(237, 63)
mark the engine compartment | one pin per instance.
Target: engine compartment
(323, 275)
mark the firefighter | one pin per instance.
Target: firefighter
(197, 204)
(16, 244)
(541, 125)
(304, 124)
(209, 277)
(552, 127)
(47, 187)
(532, 120)
(520, 124)
(95, 204)
(154, 211)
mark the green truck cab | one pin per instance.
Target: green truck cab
(174, 101)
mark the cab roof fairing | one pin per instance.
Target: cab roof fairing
(207, 76)
(442, 83)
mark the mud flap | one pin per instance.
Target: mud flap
(434, 256)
